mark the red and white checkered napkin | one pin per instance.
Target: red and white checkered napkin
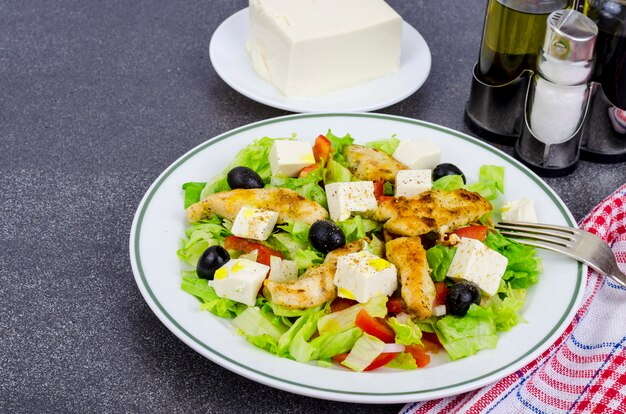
(585, 369)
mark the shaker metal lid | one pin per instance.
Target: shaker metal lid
(570, 36)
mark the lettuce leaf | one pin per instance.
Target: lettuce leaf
(293, 343)
(524, 265)
(255, 156)
(387, 145)
(254, 324)
(200, 236)
(402, 361)
(337, 144)
(344, 319)
(466, 335)
(337, 173)
(449, 183)
(333, 344)
(307, 186)
(192, 192)
(356, 228)
(364, 352)
(505, 306)
(407, 332)
(490, 182)
(439, 258)
(200, 288)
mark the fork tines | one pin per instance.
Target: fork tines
(561, 236)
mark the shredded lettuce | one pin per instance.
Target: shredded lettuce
(200, 288)
(337, 144)
(402, 361)
(376, 247)
(192, 192)
(387, 145)
(307, 258)
(255, 156)
(200, 236)
(439, 258)
(344, 319)
(523, 267)
(333, 344)
(366, 349)
(505, 305)
(252, 323)
(356, 228)
(337, 173)
(449, 183)
(407, 332)
(307, 186)
(293, 343)
(490, 182)
(464, 336)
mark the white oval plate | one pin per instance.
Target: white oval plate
(230, 59)
(159, 225)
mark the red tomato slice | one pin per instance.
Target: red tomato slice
(306, 170)
(441, 290)
(394, 305)
(321, 149)
(375, 326)
(472, 232)
(381, 360)
(432, 338)
(340, 304)
(379, 188)
(384, 198)
(263, 252)
(419, 355)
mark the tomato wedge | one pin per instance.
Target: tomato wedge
(419, 354)
(321, 149)
(375, 326)
(263, 252)
(379, 187)
(380, 361)
(394, 305)
(441, 291)
(340, 304)
(472, 232)
(306, 170)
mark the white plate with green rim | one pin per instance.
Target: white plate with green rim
(230, 60)
(159, 226)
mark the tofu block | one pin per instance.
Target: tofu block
(410, 183)
(289, 157)
(282, 270)
(519, 210)
(313, 47)
(418, 154)
(475, 262)
(240, 280)
(254, 223)
(347, 198)
(362, 275)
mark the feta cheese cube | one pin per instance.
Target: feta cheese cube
(347, 198)
(240, 280)
(291, 39)
(282, 270)
(288, 157)
(418, 154)
(410, 183)
(519, 210)
(439, 310)
(475, 262)
(254, 223)
(362, 275)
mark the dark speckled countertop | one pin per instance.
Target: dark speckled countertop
(96, 99)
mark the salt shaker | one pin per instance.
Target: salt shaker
(558, 97)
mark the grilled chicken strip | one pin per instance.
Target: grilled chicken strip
(315, 286)
(369, 164)
(290, 205)
(417, 288)
(434, 210)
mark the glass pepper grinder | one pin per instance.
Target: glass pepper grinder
(559, 93)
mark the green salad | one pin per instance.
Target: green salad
(362, 324)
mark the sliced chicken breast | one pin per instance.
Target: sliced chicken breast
(369, 164)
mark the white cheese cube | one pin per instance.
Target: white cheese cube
(418, 154)
(254, 223)
(312, 47)
(439, 310)
(475, 262)
(347, 198)
(362, 275)
(288, 157)
(519, 210)
(282, 270)
(410, 183)
(240, 280)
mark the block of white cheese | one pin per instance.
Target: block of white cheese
(240, 280)
(418, 154)
(289, 157)
(312, 47)
(475, 262)
(410, 183)
(254, 223)
(352, 197)
(362, 275)
(519, 210)
(282, 270)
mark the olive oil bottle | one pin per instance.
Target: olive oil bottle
(512, 36)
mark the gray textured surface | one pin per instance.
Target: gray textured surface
(96, 99)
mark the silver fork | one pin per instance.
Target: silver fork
(575, 243)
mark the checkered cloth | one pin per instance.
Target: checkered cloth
(584, 371)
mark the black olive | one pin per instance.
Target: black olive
(244, 177)
(212, 259)
(326, 236)
(447, 169)
(460, 296)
